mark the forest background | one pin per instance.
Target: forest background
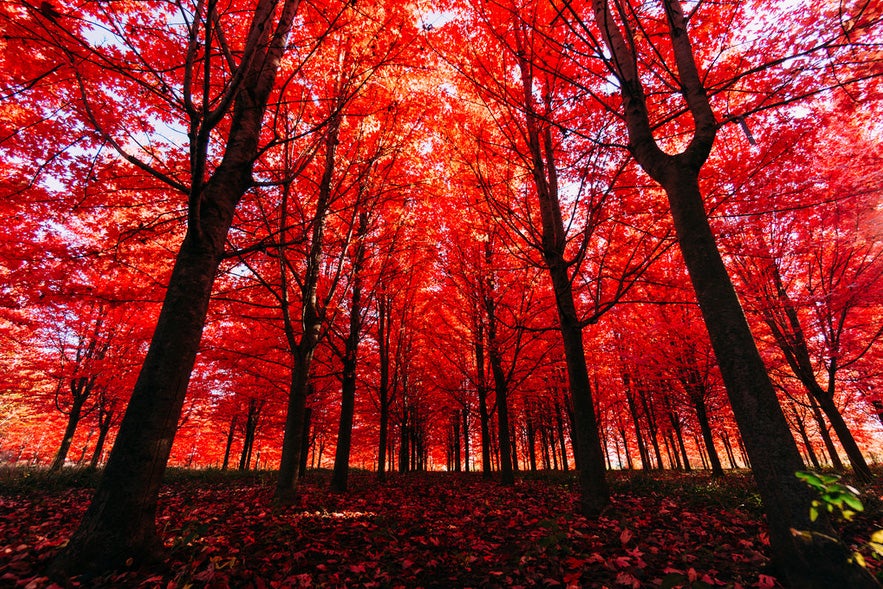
(426, 185)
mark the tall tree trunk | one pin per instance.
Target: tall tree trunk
(767, 437)
(483, 413)
(650, 416)
(465, 411)
(305, 439)
(847, 440)
(383, 350)
(120, 522)
(501, 387)
(677, 427)
(725, 437)
(705, 427)
(303, 349)
(594, 493)
(559, 427)
(73, 420)
(230, 434)
(350, 360)
(787, 330)
(636, 421)
(455, 441)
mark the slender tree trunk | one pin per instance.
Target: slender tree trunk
(679, 432)
(455, 441)
(289, 464)
(531, 443)
(483, 413)
(230, 434)
(303, 349)
(594, 493)
(847, 440)
(804, 436)
(825, 434)
(383, 351)
(625, 447)
(105, 420)
(705, 427)
(636, 421)
(350, 360)
(465, 439)
(73, 420)
(305, 439)
(791, 339)
(725, 437)
(559, 426)
(650, 416)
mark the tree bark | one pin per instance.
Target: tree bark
(119, 524)
(73, 420)
(805, 560)
(705, 427)
(340, 473)
(230, 434)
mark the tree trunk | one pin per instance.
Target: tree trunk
(73, 420)
(455, 441)
(383, 351)
(466, 467)
(230, 434)
(825, 434)
(302, 349)
(636, 421)
(767, 437)
(120, 522)
(814, 563)
(678, 429)
(305, 439)
(350, 361)
(483, 413)
(559, 426)
(847, 440)
(704, 425)
(105, 419)
(289, 463)
(801, 429)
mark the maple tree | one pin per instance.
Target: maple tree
(750, 391)
(389, 237)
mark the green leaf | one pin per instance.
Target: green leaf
(809, 478)
(854, 502)
(813, 513)
(828, 479)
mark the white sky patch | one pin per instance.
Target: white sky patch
(434, 19)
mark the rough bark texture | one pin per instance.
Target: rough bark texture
(804, 560)
(119, 524)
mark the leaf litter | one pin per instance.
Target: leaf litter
(432, 530)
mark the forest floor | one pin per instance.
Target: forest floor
(420, 530)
